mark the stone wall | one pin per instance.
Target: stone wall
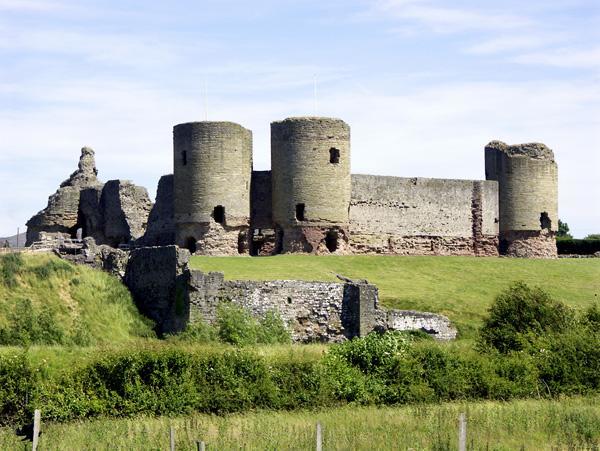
(437, 326)
(158, 278)
(314, 311)
(172, 295)
(161, 225)
(421, 216)
(61, 214)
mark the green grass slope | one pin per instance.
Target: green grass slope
(45, 300)
(460, 287)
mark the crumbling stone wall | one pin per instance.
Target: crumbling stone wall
(436, 325)
(161, 226)
(172, 295)
(158, 278)
(61, 214)
(527, 177)
(420, 216)
(314, 311)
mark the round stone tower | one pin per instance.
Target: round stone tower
(212, 170)
(527, 177)
(310, 158)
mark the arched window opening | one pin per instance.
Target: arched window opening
(331, 241)
(190, 244)
(219, 214)
(334, 155)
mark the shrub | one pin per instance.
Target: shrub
(578, 247)
(237, 326)
(17, 382)
(26, 326)
(520, 313)
(10, 266)
(198, 332)
(272, 329)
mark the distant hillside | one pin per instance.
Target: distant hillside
(12, 240)
(45, 300)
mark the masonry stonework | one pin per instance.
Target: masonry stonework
(311, 184)
(215, 204)
(212, 170)
(527, 177)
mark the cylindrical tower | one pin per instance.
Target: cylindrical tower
(527, 177)
(212, 170)
(310, 158)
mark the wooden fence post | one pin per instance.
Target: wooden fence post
(172, 438)
(319, 437)
(462, 432)
(200, 445)
(37, 419)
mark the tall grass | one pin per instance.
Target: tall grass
(45, 300)
(570, 423)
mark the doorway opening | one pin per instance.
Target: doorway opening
(331, 241)
(219, 214)
(190, 244)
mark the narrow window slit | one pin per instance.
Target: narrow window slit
(300, 212)
(334, 155)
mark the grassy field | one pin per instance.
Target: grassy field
(64, 303)
(460, 287)
(572, 423)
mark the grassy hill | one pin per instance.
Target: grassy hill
(46, 300)
(460, 287)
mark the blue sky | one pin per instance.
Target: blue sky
(424, 84)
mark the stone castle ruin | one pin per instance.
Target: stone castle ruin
(309, 202)
(215, 204)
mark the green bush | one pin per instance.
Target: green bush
(27, 326)
(578, 247)
(10, 266)
(17, 383)
(237, 326)
(521, 313)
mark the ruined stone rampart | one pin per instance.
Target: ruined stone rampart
(423, 216)
(172, 295)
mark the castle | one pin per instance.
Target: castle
(215, 204)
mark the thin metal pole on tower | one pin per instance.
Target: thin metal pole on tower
(315, 92)
(205, 101)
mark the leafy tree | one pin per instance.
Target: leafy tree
(563, 230)
(520, 314)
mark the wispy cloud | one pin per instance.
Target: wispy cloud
(29, 5)
(567, 57)
(441, 18)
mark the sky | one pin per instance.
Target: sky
(424, 85)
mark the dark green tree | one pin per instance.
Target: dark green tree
(563, 230)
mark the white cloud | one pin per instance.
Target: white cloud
(563, 57)
(444, 19)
